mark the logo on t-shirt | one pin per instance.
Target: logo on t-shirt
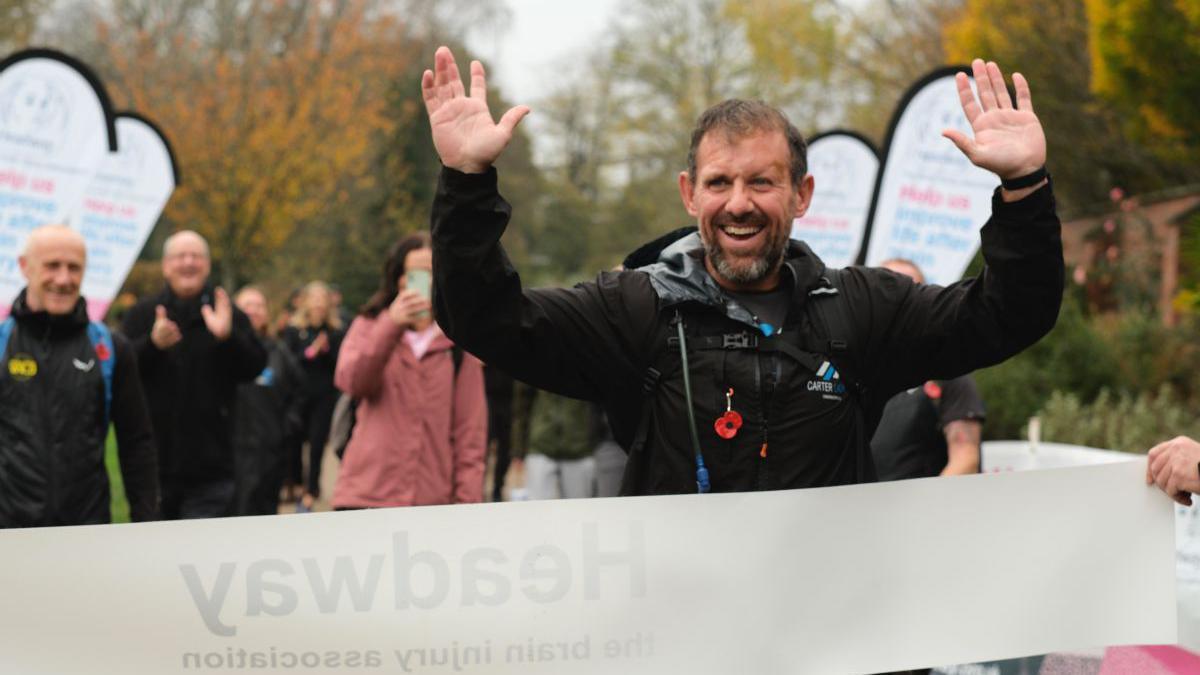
(828, 381)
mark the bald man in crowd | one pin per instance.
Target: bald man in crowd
(62, 379)
(193, 348)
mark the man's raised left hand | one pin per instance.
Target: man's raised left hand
(219, 317)
(1009, 140)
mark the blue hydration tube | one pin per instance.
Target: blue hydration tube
(702, 483)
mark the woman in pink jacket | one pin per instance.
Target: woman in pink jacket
(421, 430)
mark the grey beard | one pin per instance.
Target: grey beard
(749, 274)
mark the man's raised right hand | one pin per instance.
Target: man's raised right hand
(464, 134)
(164, 333)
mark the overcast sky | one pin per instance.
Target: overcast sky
(520, 59)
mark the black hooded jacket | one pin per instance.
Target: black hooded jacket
(191, 386)
(267, 420)
(809, 397)
(53, 427)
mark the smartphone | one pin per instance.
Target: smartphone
(419, 281)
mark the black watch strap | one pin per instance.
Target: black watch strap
(1028, 180)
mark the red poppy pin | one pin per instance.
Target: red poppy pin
(727, 425)
(933, 390)
(102, 351)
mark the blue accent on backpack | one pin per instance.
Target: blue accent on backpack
(99, 334)
(5, 332)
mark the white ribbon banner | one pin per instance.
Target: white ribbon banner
(853, 579)
(1025, 456)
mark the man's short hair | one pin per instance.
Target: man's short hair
(739, 118)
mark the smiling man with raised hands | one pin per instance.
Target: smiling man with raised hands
(194, 347)
(739, 361)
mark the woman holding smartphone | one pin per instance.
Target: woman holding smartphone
(421, 424)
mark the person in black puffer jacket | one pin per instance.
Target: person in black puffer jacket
(62, 379)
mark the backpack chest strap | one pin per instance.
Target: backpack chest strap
(747, 340)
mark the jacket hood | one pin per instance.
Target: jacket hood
(679, 275)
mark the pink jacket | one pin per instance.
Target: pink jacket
(420, 438)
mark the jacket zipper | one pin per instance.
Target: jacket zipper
(44, 406)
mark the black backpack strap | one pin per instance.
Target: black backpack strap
(637, 462)
(831, 312)
(780, 343)
(829, 307)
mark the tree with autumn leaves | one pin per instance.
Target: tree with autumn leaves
(301, 150)
(297, 125)
(272, 108)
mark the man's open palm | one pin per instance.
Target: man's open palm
(464, 134)
(218, 318)
(1009, 140)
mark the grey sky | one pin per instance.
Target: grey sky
(522, 59)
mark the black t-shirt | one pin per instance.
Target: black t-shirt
(769, 307)
(909, 442)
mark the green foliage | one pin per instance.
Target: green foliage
(1132, 356)
(1088, 150)
(1139, 48)
(559, 427)
(1125, 421)
(1189, 256)
(1151, 355)
(119, 506)
(885, 46)
(1073, 357)
(1124, 270)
